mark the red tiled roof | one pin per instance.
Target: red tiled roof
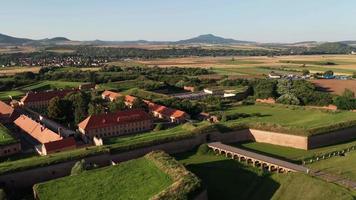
(45, 96)
(5, 109)
(60, 144)
(165, 111)
(110, 94)
(36, 130)
(129, 98)
(110, 119)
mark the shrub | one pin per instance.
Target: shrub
(289, 99)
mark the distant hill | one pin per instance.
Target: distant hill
(333, 48)
(5, 39)
(211, 39)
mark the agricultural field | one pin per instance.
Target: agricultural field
(290, 117)
(241, 65)
(5, 136)
(123, 181)
(8, 71)
(229, 179)
(47, 85)
(335, 86)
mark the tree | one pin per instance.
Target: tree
(328, 73)
(305, 72)
(60, 110)
(118, 104)
(54, 108)
(284, 86)
(348, 94)
(95, 109)
(289, 99)
(139, 104)
(264, 89)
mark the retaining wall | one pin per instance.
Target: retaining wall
(332, 138)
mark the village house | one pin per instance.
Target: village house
(41, 99)
(45, 140)
(115, 124)
(112, 96)
(163, 112)
(7, 113)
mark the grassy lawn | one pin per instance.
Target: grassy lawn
(298, 118)
(5, 136)
(229, 179)
(134, 179)
(129, 84)
(14, 94)
(342, 165)
(145, 94)
(291, 154)
(47, 85)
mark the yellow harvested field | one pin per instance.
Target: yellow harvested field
(13, 70)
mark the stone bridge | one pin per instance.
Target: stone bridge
(258, 160)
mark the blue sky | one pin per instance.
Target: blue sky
(255, 20)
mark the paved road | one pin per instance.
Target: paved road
(267, 159)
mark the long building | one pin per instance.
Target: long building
(41, 99)
(163, 112)
(7, 113)
(115, 124)
(46, 141)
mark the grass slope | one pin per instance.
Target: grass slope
(297, 118)
(228, 179)
(5, 136)
(342, 165)
(134, 179)
(14, 94)
(47, 85)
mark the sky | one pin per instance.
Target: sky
(168, 20)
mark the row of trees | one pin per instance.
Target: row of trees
(293, 92)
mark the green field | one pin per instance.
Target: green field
(47, 85)
(5, 136)
(291, 154)
(129, 84)
(297, 118)
(342, 165)
(229, 179)
(145, 94)
(134, 179)
(14, 94)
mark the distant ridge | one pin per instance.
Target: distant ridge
(211, 39)
(5, 39)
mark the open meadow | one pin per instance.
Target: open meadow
(258, 65)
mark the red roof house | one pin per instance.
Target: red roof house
(114, 124)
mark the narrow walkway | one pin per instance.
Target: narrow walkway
(270, 163)
(333, 178)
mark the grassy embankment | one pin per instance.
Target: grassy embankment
(5, 136)
(154, 176)
(229, 179)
